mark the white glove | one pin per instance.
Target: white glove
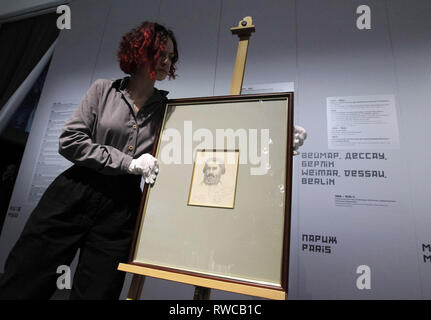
(299, 135)
(147, 166)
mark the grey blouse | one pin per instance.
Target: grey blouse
(105, 133)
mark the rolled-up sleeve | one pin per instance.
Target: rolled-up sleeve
(76, 140)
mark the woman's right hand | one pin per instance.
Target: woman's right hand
(147, 166)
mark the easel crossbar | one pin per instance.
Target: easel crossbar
(205, 282)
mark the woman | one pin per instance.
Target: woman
(93, 205)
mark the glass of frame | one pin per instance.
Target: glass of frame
(220, 208)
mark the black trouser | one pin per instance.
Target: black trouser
(81, 209)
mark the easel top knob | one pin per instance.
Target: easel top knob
(245, 27)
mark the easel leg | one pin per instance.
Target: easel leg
(136, 287)
(202, 293)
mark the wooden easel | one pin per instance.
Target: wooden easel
(243, 30)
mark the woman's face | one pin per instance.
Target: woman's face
(164, 63)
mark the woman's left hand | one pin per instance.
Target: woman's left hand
(299, 135)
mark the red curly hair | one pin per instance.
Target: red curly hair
(144, 45)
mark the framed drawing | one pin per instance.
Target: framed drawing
(214, 178)
(218, 215)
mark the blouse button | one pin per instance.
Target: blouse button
(130, 148)
(134, 127)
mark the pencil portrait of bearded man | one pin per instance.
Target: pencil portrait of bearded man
(214, 183)
(213, 169)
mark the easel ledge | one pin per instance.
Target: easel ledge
(204, 282)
